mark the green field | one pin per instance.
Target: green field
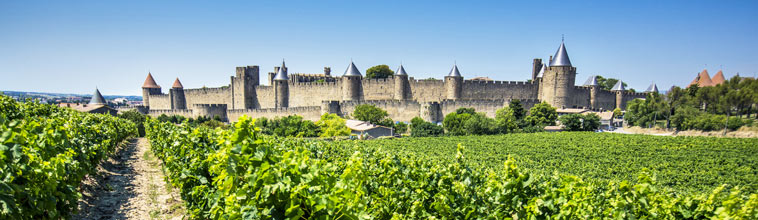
(692, 164)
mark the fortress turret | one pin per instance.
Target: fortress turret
(243, 87)
(537, 68)
(654, 88)
(281, 87)
(351, 83)
(594, 89)
(402, 87)
(619, 90)
(149, 88)
(176, 94)
(558, 80)
(454, 83)
(97, 98)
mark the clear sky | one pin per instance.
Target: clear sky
(74, 46)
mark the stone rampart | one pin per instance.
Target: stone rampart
(478, 90)
(398, 110)
(312, 113)
(219, 95)
(313, 93)
(169, 112)
(161, 101)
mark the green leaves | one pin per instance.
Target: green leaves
(46, 152)
(264, 177)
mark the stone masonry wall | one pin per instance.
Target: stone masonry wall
(266, 96)
(478, 90)
(161, 101)
(312, 113)
(378, 89)
(220, 95)
(398, 110)
(313, 93)
(427, 90)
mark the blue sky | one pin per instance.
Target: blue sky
(74, 46)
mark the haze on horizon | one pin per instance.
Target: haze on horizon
(73, 47)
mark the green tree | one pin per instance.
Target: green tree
(617, 112)
(480, 124)
(517, 108)
(579, 122)
(505, 120)
(453, 122)
(379, 72)
(541, 114)
(137, 118)
(401, 128)
(332, 125)
(425, 129)
(372, 114)
(607, 83)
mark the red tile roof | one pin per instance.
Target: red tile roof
(150, 83)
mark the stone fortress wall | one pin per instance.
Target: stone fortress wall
(401, 96)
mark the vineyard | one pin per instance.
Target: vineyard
(239, 173)
(688, 164)
(46, 152)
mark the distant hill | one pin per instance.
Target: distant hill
(66, 95)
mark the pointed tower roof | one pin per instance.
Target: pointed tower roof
(177, 84)
(704, 79)
(652, 88)
(561, 57)
(592, 81)
(454, 71)
(401, 71)
(619, 86)
(97, 98)
(352, 70)
(718, 79)
(282, 73)
(150, 83)
(542, 71)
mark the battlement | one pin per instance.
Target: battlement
(414, 80)
(210, 105)
(313, 84)
(495, 82)
(378, 102)
(384, 80)
(170, 111)
(277, 110)
(208, 90)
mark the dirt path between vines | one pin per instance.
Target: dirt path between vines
(129, 185)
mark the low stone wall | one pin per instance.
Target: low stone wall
(312, 113)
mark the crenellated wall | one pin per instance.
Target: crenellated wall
(161, 101)
(312, 113)
(427, 90)
(313, 93)
(169, 112)
(378, 89)
(219, 95)
(488, 107)
(478, 89)
(398, 110)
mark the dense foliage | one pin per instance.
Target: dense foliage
(580, 122)
(607, 83)
(289, 126)
(137, 118)
(331, 125)
(46, 152)
(541, 114)
(688, 164)
(372, 114)
(421, 128)
(379, 72)
(701, 108)
(236, 174)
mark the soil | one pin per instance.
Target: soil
(129, 185)
(743, 132)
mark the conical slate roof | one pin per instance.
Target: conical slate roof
(150, 83)
(619, 86)
(652, 88)
(177, 84)
(97, 98)
(561, 57)
(455, 72)
(282, 73)
(401, 71)
(352, 70)
(718, 78)
(542, 71)
(592, 81)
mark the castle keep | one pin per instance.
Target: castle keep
(403, 97)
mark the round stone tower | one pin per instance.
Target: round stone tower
(619, 89)
(454, 83)
(178, 100)
(594, 88)
(149, 88)
(281, 87)
(351, 83)
(558, 80)
(402, 87)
